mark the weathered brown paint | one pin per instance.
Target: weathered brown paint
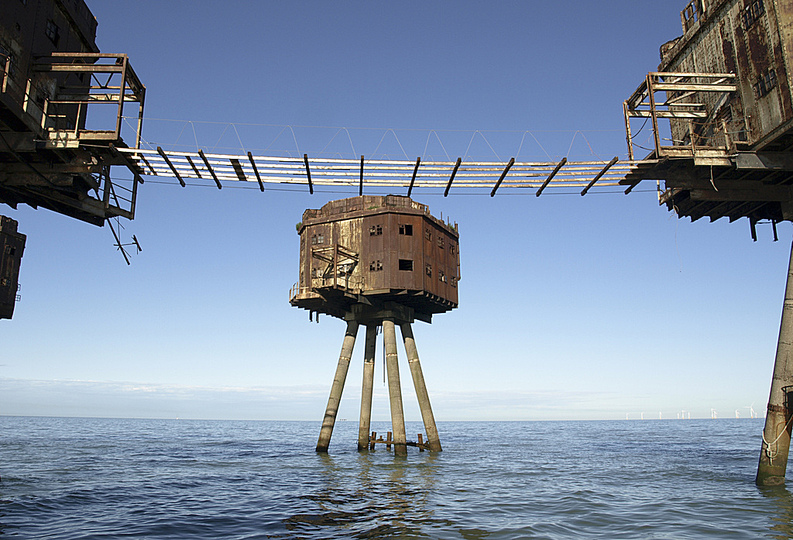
(374, 257)
(12, 246)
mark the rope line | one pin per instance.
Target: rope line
(771, 455)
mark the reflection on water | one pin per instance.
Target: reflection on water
(375, 494)
(782, 519)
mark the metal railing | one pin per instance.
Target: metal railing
(691, 104)
(111, 81)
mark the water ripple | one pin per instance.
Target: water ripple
(89, 478)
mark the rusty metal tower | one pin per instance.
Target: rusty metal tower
(377, 261)
(720, 113)
(54, 153)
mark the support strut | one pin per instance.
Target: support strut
(776, 434)
(338, 387)
(394, 388)
(367, 387)
(421, 388)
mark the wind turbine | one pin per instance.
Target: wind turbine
(752, 412)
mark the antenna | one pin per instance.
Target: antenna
(121, 246)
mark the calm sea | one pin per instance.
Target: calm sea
(70, 478)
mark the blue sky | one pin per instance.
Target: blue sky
(570, 307)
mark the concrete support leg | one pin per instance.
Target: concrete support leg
(394, 388)
(776, 434)
(338, 386)
(368, 385)
(421, 388)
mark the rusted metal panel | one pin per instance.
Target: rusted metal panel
(12, 246)
(374, 249)
(752, 39)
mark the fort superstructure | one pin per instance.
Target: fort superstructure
(377, 261)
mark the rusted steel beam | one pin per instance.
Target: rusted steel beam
(308, 174)
(740, 210)
(209, 168)
(632, 186)
(195, 169)
(653, 113)
(360, 182)
(550, 176)
(235, 163)
(131, 164)
(503, 175)
(454, 173)
(413, 179)
(719, 211)
(146, 161)
(168, 162)
(256, 172)
(628, 135)
(599, 175)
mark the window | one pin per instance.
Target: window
(375, 266)
(53, 32)
(375, 230)
(317, 239)
(428, 270)
(452, 249)
(406, 230)
(454, 282)
(406, 265)
(766, 83)
(428, 233)
(441, 276)
(441, 242)
(752, 12)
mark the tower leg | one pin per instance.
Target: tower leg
(338, 386)
(394, 388)
(368, 385)
(776, 434)
(421, 388)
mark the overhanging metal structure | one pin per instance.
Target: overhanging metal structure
(378, 173)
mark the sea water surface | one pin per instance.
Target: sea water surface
(78, 478)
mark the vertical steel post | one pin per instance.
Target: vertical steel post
(338, 386)
(653, 115)
(121, 95)
(433, 440)
(628, 135)
(368, 385)
(776, 434)
(394, 388)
